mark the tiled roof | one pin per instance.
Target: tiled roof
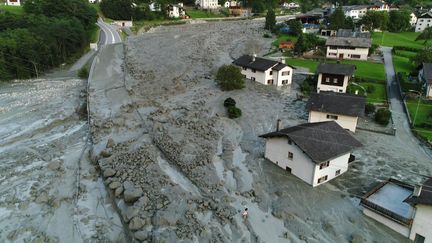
(260, 64)
(349, 41)
(337, 103)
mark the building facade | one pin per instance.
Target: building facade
(175, 11)
(425, 76)
(13, 2)
(348, 45)
(355, 12)
(208, 4)
(424, 21)
(334, 77)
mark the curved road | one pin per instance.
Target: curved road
(109, 34)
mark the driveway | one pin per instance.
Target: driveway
(109, 34)
(403, 130)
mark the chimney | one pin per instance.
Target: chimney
(253, 57)
(278, 125)
(417, 190)
(282, 60)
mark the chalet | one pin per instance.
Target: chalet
(345, 109)
(425, 76)
(355, 12)
(424, 21)
(404, 208)
(314, 152)
(349, 45)
(175, 10)
(334, 77)
(13, 2)
(265, 71)
(207, 4)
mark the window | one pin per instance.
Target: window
(322, 179)
(270, 81)
(286, 73)
(327, 80)
(253, 78)
(355, 56)
(332, 54)
(335, 80)
(290, 155)
(419, 238)
(337, 173)
(271, 72)
(285, 81)
(324, 165)
(253, 70)
(332, 117)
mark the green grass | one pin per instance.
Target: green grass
(367, 70)
(94, 35)
(379, 95)
(422, 117)
(199, 14)
(407, 54)
(402, 64)
(147, 24)
(397, 39)
(284, 37)
(12, 9)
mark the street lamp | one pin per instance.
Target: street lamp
(358, 85)
(418, 103)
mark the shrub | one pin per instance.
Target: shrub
(229, 77)
(305, 87)
(229, 102)
(382, 116)
(267, 35)
(234, 112)
(83, 73)
(369, 108)
(370, 88)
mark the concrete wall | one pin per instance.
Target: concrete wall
(423, 23)
(338, 89)
(339, 163)
(422, 223)
(401, 229)
(347, 122)
(347, 53)
(301, 165)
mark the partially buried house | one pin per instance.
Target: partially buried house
(314, 152)
(345, 109)
(334, 77)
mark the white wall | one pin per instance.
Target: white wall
(260, 77)
(339, 163)
(423, 23)
(401, 229)
(413, 19)
(347, 53)
(209, 4)
(347, 122)
(301, 166)
(278, 76)
(263, 77)
(422, 223)
(13, 3)
(324, 87)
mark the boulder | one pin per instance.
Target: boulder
(109, 172)
(136, 223)
(132, 194)
(115, 185)
(131, 212)
(141, 235)
(118, 191)
(110, 143)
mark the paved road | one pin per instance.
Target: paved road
(109, 34)
(403, 130)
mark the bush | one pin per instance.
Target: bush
(83, 73)
(229, 102)
(305, 87)
(267, 35)
(382, 116)
(234, 112)
(370, 88)
(229, 77)
(369, 108)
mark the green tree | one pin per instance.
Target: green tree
(229, 102)
(299, 47)
(234, 112)
(117, 9)
(426, 35)
(425, 55)
(270, 20)
(296, 27)
(382, 116)
(399, 21)
(337, 19)
(375, 20)
(229, 77)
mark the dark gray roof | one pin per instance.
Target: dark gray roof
(337, 103)
(427, 70)
(425, 196)
(334, 68)
(279, 66)
(426, 15)
(349, 41)
(354, 7)
(321, 141)
(350, 33)
(260, 64)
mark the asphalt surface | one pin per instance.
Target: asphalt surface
(109, 34)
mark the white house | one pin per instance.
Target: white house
(345, 109)
(425, 76)
(175, 10)
(349, 45)
(379, 6)
(424, 21)
(227, 4)
(290, 5)
(314, 152)
(413, 19)
(355, 11)
(265, 71)
(402, 207)
(334, 77)
(155, 7)
(207, 4)
(13, 2)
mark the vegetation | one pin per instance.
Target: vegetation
(339, 21)
(296, 27)
(270, 20)
(199, 14)
(234, 112)
(83, 73)
(425, 55)
(229, 77)
(375, 20)
(426, 35)
(407, 39)
(307, 42)
(423, 118)
(399, 21)
(375, 92)
(382, 116)
(369, 108)
(308, 85)
(50, 33)
(229, 102)
(12, 9)
(126, 10)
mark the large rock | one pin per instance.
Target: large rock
(130, 195)
(109, 172)
(136, 223)
(115, 185)
(141, 235)
(131, 213)
(110, 143)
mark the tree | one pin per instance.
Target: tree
(399, 21)
(270, 20)
(369, 108)
(295, 27)
(375, 20)
(337, 19)
(425, 35)
(117, 9)
(299, 47)
(382, 116)
(229, 77)
(425, 55)
(234, 112)
(229, 102)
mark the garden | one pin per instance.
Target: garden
(421, 117)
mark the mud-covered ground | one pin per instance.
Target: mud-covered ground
(182, 171)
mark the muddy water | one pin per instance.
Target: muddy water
(43, 162)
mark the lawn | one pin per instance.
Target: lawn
(94, 35)
(423, 117)
(147, 24)
(367, 70)
(199, 14)
(284, 37)
(402, 64)
(377, 94)
(12, 9)
(397, 39)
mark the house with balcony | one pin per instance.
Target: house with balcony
(314, 152)
(425, 76)
(334, 77)
(355, 12)
(265, 71)
(423, 21)
(405, 208)
(345, 109)
(348, 44)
